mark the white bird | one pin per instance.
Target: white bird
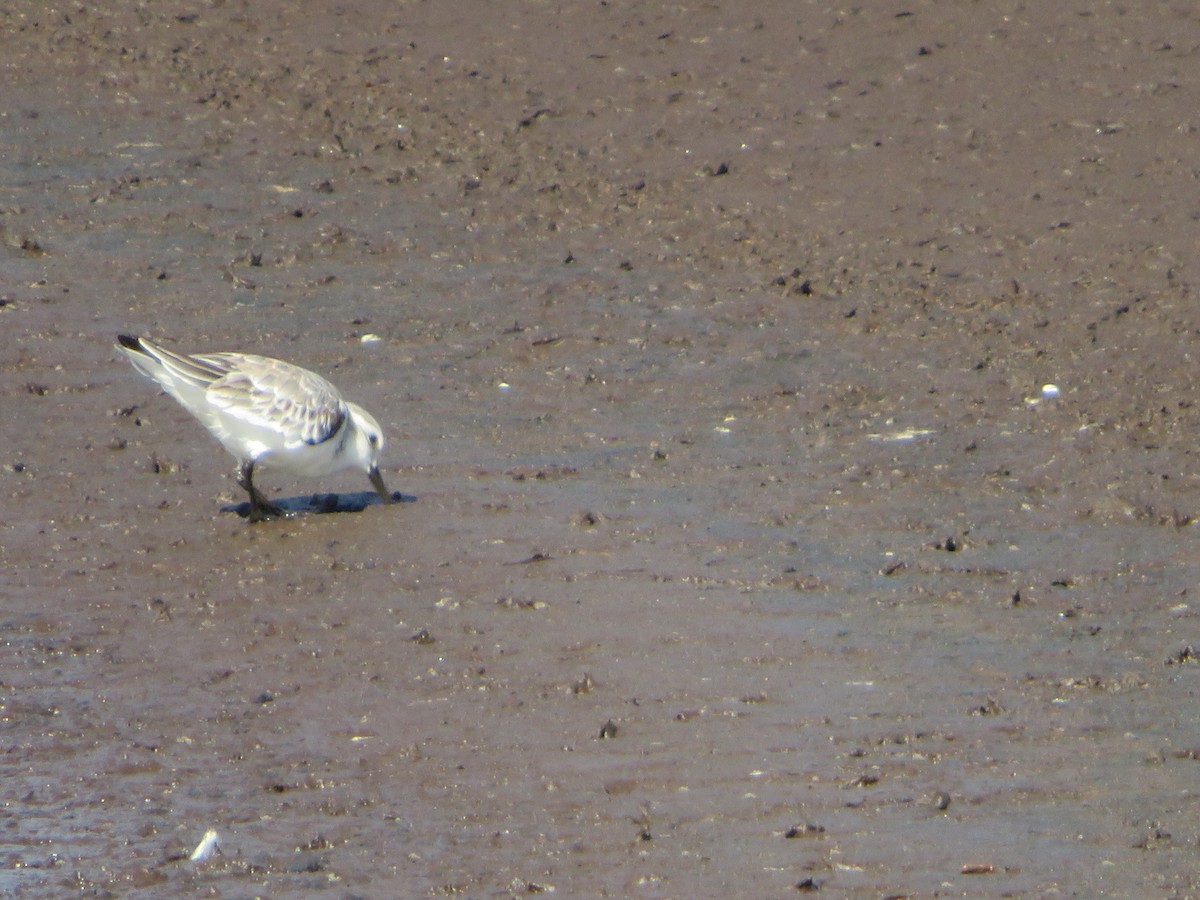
(266, 412)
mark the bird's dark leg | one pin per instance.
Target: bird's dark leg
(260, 507)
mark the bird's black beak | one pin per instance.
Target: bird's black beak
(380, 487)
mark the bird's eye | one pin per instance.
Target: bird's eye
(373, 438)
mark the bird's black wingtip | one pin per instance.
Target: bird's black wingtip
(129, 342)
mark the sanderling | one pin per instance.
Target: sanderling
(265, 411)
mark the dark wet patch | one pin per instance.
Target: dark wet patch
(324, 503)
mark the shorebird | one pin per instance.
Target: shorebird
(266, 412)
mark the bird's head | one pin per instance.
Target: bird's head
(367, 447)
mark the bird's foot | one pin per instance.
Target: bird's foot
(262, 509)
(263, 512)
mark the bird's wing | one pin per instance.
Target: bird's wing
(303, 408)
(196, 371)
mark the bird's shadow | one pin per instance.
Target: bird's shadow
(323, 503)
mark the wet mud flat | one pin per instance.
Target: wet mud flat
(746, 554)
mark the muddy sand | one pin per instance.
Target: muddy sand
(748, 553)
